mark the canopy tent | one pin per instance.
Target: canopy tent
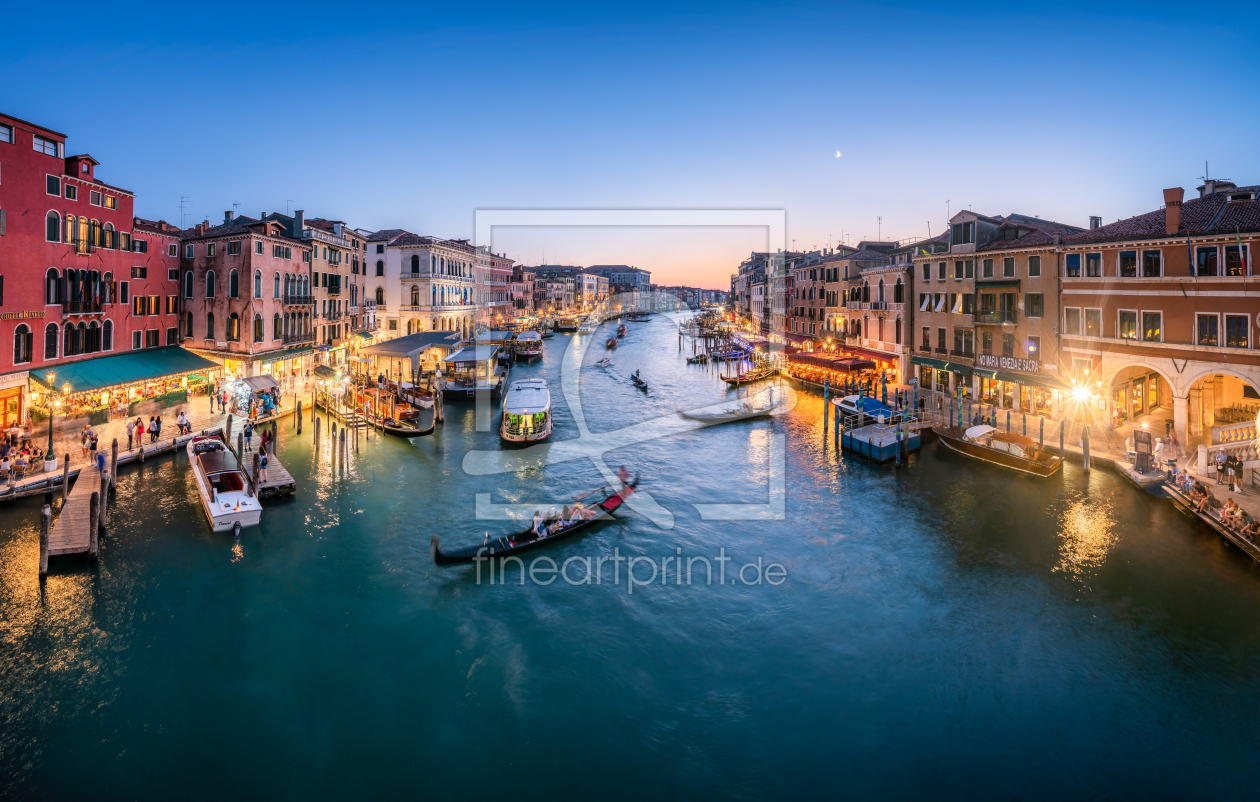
(325, 372)
(412, 347)
(121, 370)
(363, 335)
(261, 382)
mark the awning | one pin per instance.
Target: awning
(261, 382)
(277, 356)
(941, 364)
(1028, 378)
(363, 335)
(883, 356)
(123, 369)
(325, 372)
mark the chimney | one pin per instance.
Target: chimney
(299, 222)
(1094, 222)
(227, 218)
(337, 229)
(1172, 209)
(199, 229)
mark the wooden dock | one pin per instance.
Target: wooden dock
(279, 482)
(74, 528)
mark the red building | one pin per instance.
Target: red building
(75, 268)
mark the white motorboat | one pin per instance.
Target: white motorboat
(226, 494)
(744, 411)
(526, 412)
(604, 363)
(588, 325)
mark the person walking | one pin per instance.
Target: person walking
(249, 436)
(262, 465)
(100, 457)
(156, 431)
(140, 430)
(91, 445)
(131, 432)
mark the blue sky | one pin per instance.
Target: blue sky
(415, 116)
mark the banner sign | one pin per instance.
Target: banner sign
(996, 362)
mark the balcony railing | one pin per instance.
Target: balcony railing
(82, 307)
(992, 317)
(297, 300)
(290, 339)
(968, 353)
(943, 351)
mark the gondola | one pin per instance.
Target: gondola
(748, 377)
(642, 385)
(406, 431)
(526, 540)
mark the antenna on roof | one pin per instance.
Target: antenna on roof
(286, 207)
(182, 200)
(879, 228)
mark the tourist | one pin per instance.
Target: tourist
(537, 522)
(1172, 444)
(83, 438)
(5, 467)
(1220, 465)
(249, 435)
(139, 430)
(19, 465)
(131, 432)
(91, 444)
(1252, 529)
(100, 458)
(262, 465)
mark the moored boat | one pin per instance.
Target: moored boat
(527, 539)
(526, 412)
(528, 346)
(748, 376)
(1005, 449)
(227, 496)
(471, 369)
(566, 324)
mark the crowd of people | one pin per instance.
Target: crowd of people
(1205, 502)
(18, 460)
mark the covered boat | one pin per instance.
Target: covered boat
(523, 541)
(865, 409)
(227, 496)
(1007, 449)
(474, 368)
(526, 412)
(566, 324)
(528, 346)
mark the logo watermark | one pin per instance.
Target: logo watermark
(640, 571)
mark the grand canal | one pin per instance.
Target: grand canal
(944, 629)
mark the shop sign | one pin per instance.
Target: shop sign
(11, 379)
(994, 361)
(20, 315)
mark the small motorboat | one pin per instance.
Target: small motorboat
(742, 412)
(526, 540)
(621, 330)
(547, 334)
(604, 363)
(227, 495)
(611, 344)
(1006, 449)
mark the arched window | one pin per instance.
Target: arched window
(23, 344)
(210, 325)
(92, 342)
(67, 340)
(50, 341)
(415, 266)
(898, 325)
(52, 287)
(109, 237)
(80, 337)
(188, 284)
(380, 266)
(881, 289)
(275, 327)
(209, 283)
(258, 328)
(899, 294)
(53, 231)
(257, 283)
(107, 336)
(188, 325)
(866, 292)
(415, 295)
(85, 232)
(107, 289)
(234, 285)
(380, 296)
(234, 328)
(275, 285)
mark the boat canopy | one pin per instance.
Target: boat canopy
(528, 335)
(526, 396)
(218, 461)
(977, 432)
(479, 353)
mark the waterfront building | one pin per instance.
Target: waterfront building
(494, 293)
(873, 280)
(624, 275)
(522, 291)
(81, 278)
(1159, 320)
(428, 283)
(246, 292)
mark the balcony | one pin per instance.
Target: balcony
(992, 317)
(968, 353)
(352, 309)
(297, 300)
(291, 339)
(82, 307)
(332, 290)
(942, 351)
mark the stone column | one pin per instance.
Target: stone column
(1194, 415)
(1181, 407)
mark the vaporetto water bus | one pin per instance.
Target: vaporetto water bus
(526, 412)
(528, 346)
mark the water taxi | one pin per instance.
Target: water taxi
(621, 330)
(526, 412)
(588, 325)
(528, 346)
(566, 324)
(864, 409)
(1006, 449)
(473, 368)
(226, 493)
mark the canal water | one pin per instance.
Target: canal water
(946, 629)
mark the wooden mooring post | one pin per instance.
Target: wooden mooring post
(93, 530)
(104, 499)
(227, 430)
(113, 464)
(65, 479)
(45, 524)
(1085, 446)
(316, 419)
(297, 413)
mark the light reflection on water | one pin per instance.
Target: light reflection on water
(945, 624)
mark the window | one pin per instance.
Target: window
(172, 304)
(172, 336)
(275, 327)
(1151, 267)
(54, 186)
(380, 267)
(188, 325)
(258, 283)
(1152, 331)
(1205, 264)
(124, 287)
(94, 198)
(275, 285)
(925, 301)
(1128, 325)
(940, 271)
(306, 256)
(188, 251)
(212, 248)
(1034, 347)
(234, 284)
(111, 202)
(1008, 345)
(234, 247)
(1128, 264)
(964, 342)
(958, 270)
(258, 248)
(210, 325)
(1093, 322)
(940, 302)
(1072, 265)
(6, 134)
(139, 272)
(138, 305)
(986, 343)
(1034, 304)
(986, 268)
(1236, 331)
(151, 338)
(927, 338)
(1236, 260)
(258, 328)
(1206, 326)
(927, 271)
(155, 304)
(135, 341)
(52, 232)
(46, 146)
(955, 302)
(940, 340)
(23, 344)
(380, 247)
(50, 341)
(234, 328)
(1093, 265)
(1008, 267)
(1071, 321)
(173, 249)
(380, 296)
(71, 191)
(962, 233)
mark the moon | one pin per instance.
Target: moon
(837, 154)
